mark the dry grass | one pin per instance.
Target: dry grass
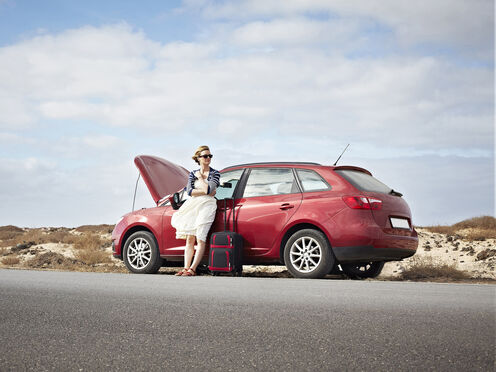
(39, 236)
(426, 268)
(92, 257)
(98, 229)
(477, 228)
(10, 232)
(88, 245)
(483, 222)
(89, 241)
(10, 260)
(90, 249)
(56, 261)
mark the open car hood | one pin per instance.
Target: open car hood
(161, 176)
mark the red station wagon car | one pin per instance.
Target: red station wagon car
(307, 216)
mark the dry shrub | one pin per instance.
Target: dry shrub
(96, 229)
(37, 236)
(89, 241)
(40, 236)
(426, 268)
(480, 235)
(10, 232)
(51, 260)
(92, 256)
(90, 249)
(10, 228)
(483, 222)
(59, 236)
(481, 228)
(10, 260)
(449, 230)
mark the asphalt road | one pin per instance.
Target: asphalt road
(89, 321)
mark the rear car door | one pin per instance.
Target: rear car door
(270, 197)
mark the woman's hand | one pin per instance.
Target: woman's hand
(201, 176)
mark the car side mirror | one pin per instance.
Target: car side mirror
(226, 185)
(175, 200)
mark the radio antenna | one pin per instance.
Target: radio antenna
(135, 188)
(341, 154)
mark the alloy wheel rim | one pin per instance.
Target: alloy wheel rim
(305, 254)
(139, 253)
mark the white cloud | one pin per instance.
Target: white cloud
(294, 31)
(462, 23)
(114, 75)
(289, 88)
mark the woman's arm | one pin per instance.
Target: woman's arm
(203, 187)
(214, 182)
(190, 186)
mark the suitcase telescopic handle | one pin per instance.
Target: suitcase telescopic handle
(233, 213)
(225, 214)
(234, 216)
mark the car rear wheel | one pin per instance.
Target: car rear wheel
(141, 253)
(307, 254)
(363, 269)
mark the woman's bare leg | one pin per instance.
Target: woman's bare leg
(198, 254)
(189, 250)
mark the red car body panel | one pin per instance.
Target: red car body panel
(355, 235)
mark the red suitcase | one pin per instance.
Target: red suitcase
(226, 248)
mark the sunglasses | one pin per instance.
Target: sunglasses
(206, 156)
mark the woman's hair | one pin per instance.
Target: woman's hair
(198, 152)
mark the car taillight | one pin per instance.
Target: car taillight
(362, 202)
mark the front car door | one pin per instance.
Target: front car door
(270, 197)
(224, 195)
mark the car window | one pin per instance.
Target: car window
(363, 181)
(311, 180)
(270, 181)
(233, 178)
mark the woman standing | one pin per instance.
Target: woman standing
(194, 218)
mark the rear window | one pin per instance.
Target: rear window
(363, 181)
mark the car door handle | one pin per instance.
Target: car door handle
(222, 209)
(285, 206)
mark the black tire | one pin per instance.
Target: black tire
(238, 273)
(363, 270)
(141, 253)
(308, 254)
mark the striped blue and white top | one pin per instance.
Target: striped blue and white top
(213, 180)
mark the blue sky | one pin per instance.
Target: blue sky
(85, 86)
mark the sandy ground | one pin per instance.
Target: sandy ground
(450, 250)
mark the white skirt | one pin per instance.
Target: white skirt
(195, 217)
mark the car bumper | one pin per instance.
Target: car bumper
(358, 238)
(369, 253)
(114, 251)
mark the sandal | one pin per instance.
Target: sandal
(182, 272)
(190, 272)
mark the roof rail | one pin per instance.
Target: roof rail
(274, 162)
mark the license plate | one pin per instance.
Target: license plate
(399, 223)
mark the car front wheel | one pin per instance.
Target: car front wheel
(308, 254)
(141, 253)
(363, 269)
